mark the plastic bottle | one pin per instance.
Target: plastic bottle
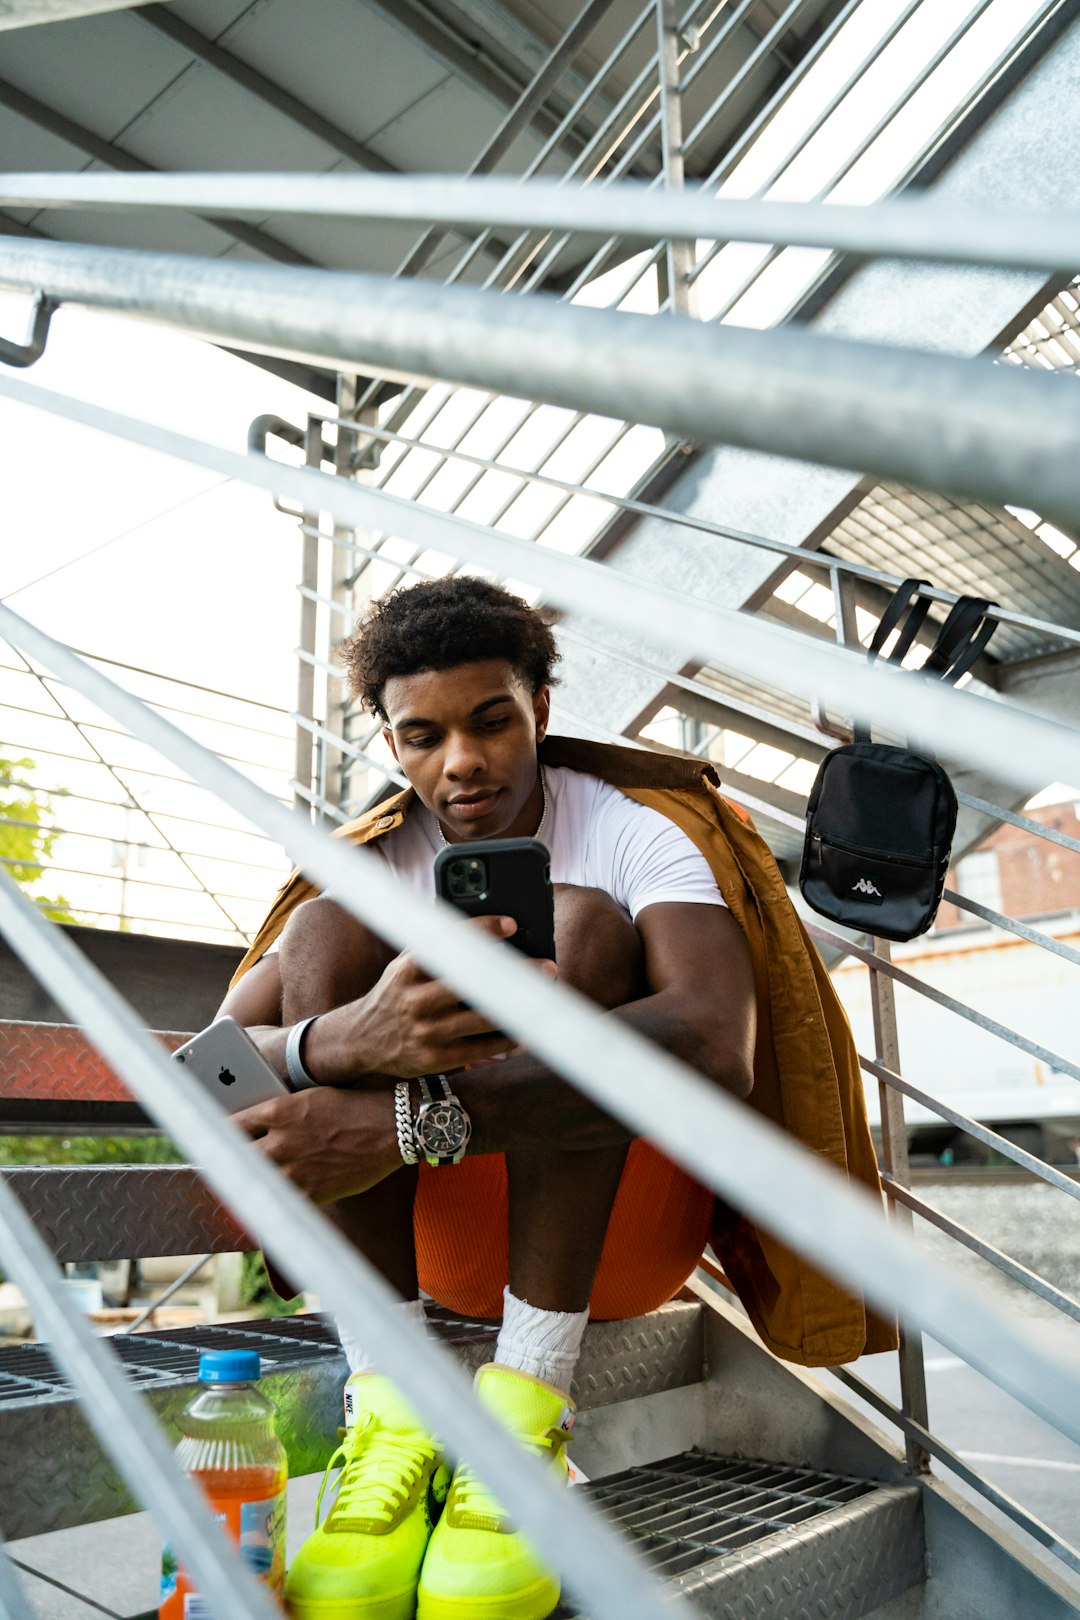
(230, 1447)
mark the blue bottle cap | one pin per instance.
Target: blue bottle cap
(229, 1367)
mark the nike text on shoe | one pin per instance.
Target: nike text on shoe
(478, 1566)
(363, 1561)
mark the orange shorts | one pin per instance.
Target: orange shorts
(658, 1230)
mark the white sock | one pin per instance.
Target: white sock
(543, 1344)
(356, 1351)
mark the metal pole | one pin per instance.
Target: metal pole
(993, 432)
(1020, 239)
(679, 256)
(894, 1150)
(309, 583)
(1017, 745)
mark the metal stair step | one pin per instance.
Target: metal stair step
(765, 1541)
(44, 1435)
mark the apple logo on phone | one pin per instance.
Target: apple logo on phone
(227, 1077)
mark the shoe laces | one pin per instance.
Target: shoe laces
(472, 1500)
(379, 1468)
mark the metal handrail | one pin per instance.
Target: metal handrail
(1014, 745)
(982, 1133)
(943, 232)
(924, 1438)
(986, 1251)
(666, 514)
(1053, 1059)
(988, 431)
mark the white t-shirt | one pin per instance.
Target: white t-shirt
(598, 839)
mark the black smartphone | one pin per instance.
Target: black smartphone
(503, 877)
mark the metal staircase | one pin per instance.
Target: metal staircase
(751, 1489)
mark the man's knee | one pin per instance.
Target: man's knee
(327, 957)
(598, 949)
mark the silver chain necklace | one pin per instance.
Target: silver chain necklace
(543, 814)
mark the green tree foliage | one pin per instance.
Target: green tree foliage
(26, 836)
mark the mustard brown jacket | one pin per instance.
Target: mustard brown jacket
(806, 1072)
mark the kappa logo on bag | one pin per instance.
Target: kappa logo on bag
(880, 821)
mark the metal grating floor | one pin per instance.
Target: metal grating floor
(688, 1510)
(27, 1371)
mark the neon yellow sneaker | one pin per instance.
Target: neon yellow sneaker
(363, 1561)
(477, 1566)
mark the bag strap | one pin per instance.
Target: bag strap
(904, 600)
(961, 639)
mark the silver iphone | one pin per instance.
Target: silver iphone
(227, 1062)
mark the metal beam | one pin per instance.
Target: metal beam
(482, 52)
(29, 13)
(265, 90)
(114, 157)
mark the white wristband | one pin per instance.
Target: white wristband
(299, 1077)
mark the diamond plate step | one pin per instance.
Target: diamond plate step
(53, 1473)
(758, 1541)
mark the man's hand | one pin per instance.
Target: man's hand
(409, 1024)
(329, 1142)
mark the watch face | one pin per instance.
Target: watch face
(443, 1129)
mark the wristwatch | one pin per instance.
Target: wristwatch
(443, 1128)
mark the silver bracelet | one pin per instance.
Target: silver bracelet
(299, 1077)
(404, 1123)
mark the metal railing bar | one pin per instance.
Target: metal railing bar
(950, 1459)
(83, 729)
(711, 1133)
(665, 514)
(311, 658)
(132, 882)
(166, 1293)
(318, 802)
(1015, 819)
(83, 726)
(986, 1251)
(125, 1425)
(644, 135)
(995, 432)
(353, 750)
(952, 121)
(727, 163)
(177, 680)
(1014, 745)
(925, 72)
(543, 81)
(554, 139)
(982, 1133)
(1020, 239)
(134, 843)
(785, 90)
(44, 904)
(1053, 1060)
(1013, 925)
(119, 804)
(597, 1566)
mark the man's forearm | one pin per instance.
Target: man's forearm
(328, 1056)
(522, 1103)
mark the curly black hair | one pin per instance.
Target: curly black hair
(439, 623)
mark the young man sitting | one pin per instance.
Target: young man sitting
(530, 1204)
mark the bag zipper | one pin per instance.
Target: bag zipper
(891, 858)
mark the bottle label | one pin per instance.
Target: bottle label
(258, 1527)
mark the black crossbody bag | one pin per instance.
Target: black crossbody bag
(880, 819)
